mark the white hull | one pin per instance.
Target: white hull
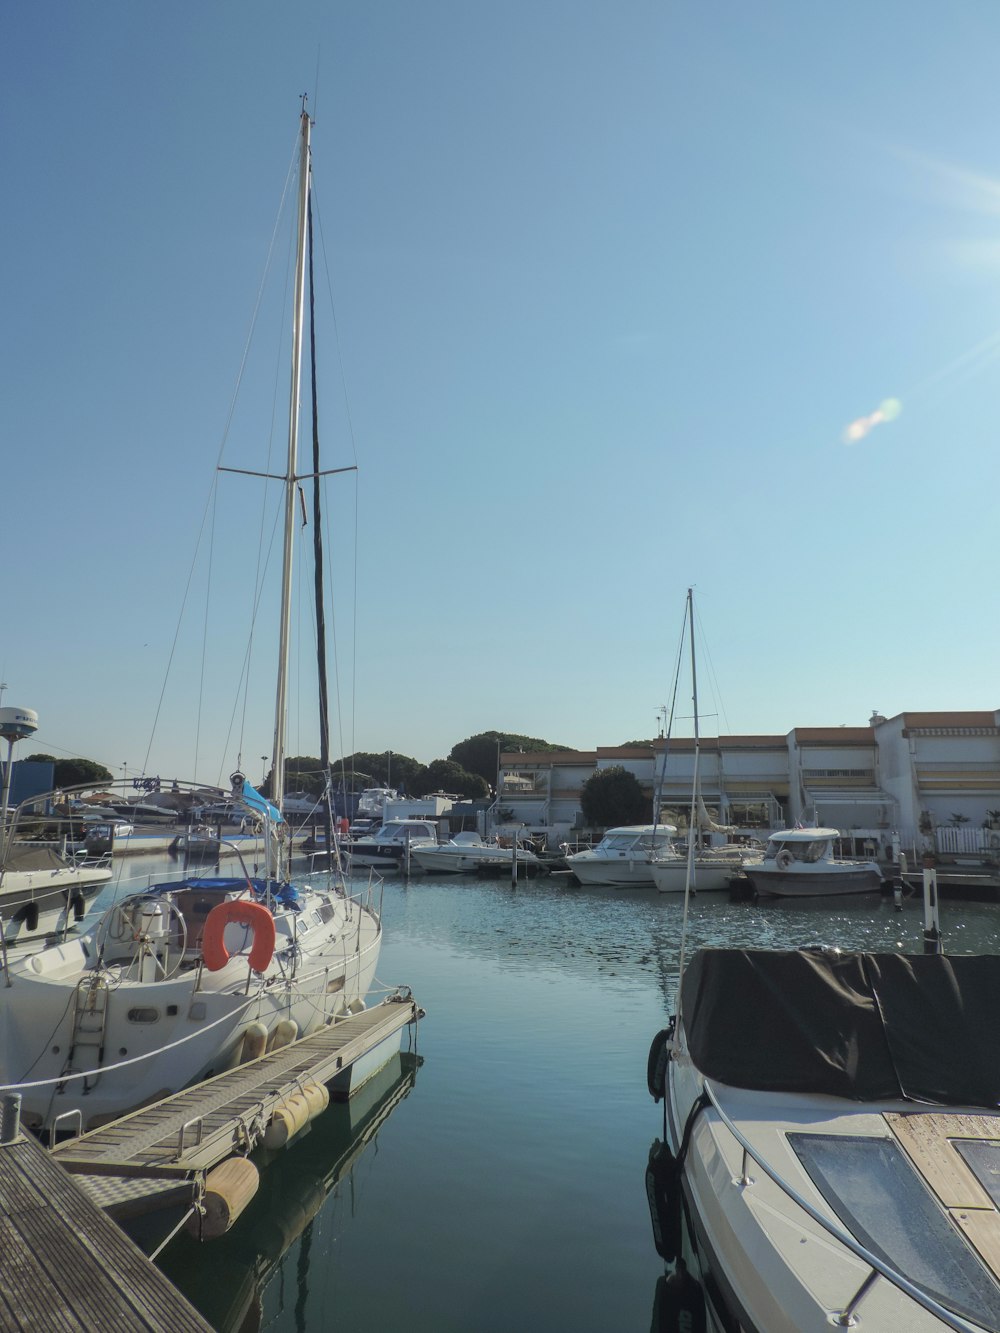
(465, 860)
(618, 874)
(190, 1024)
(777, 1269)
(825, 881)
(35, 903)
(711, 874)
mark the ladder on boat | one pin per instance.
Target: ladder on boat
(90, 1021)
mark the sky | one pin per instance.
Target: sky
(612, 300)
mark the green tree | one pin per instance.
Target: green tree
(73, 772)
(385, 769)
(478, 754)
(445, 775)
(613, 796)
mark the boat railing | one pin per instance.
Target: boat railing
(847, 1317)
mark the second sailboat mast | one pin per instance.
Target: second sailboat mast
(298, 317)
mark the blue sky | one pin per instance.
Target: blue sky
(601, 288)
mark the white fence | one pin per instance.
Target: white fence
(961, 840)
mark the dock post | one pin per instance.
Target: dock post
(932, 918)
(10, 1117)
(897, 893)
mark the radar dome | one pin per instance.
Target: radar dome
(16, 724)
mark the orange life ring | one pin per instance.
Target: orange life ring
(254, 915)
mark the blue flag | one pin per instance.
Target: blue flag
(243, 791)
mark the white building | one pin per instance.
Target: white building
(912, 775)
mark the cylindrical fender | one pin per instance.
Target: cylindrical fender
(663, 1192)
(656, 1063)
(241, 910)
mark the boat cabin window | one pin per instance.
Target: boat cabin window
(808, 852)
(880, 1199)
(619, 843)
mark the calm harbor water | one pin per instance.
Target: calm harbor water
(494, 1180)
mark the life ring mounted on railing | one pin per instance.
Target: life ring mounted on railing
(784, 859)
(242, 912)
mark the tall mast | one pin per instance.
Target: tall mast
(281, 701)
(693, 820)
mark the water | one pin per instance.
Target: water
(504, 1188)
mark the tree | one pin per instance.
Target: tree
(73, 772)
(479, 753)
(384, 769)
(445, 775)
(614, 796)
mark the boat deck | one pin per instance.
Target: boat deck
(929, 1139)
(65, 1266)
(166, 1147)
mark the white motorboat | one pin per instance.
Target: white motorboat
(198, 974)
(371, 802)
(468, 852)
(802, 863)
(392, 844)
(42, 891)
(832, 1141)
(625, 856)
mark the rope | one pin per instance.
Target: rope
(135, 1060)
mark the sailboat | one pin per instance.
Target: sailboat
(196, 974)
(704, 867)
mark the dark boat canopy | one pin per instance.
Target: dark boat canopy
(868, 1026)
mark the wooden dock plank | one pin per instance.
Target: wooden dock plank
(149, 1137)
(65, 1266)
(29, 1304)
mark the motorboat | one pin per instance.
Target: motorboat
(392, 844)
(802, 863)
(625, 856)
(42, 891)
(371, 802)
(832, 1139)
(195, 975)
(468, 852)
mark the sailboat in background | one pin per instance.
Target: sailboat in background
(195, 975)
(704, 867)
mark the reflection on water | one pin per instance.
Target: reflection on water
(260, 1272)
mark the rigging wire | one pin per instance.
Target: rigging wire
(219, 455)
(354, 454)
(204, 628)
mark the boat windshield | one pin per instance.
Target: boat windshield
(398, 832)
(644, 842)
(808, 852)
(880, 1198)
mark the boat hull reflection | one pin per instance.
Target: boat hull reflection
(226, 1278)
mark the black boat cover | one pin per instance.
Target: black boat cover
(868, 1026)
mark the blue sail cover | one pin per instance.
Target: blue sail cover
(251, 797)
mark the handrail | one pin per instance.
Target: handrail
(841, 1235)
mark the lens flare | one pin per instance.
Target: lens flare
(888, 410)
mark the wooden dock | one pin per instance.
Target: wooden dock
(168, 1147)
(65, 1267)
